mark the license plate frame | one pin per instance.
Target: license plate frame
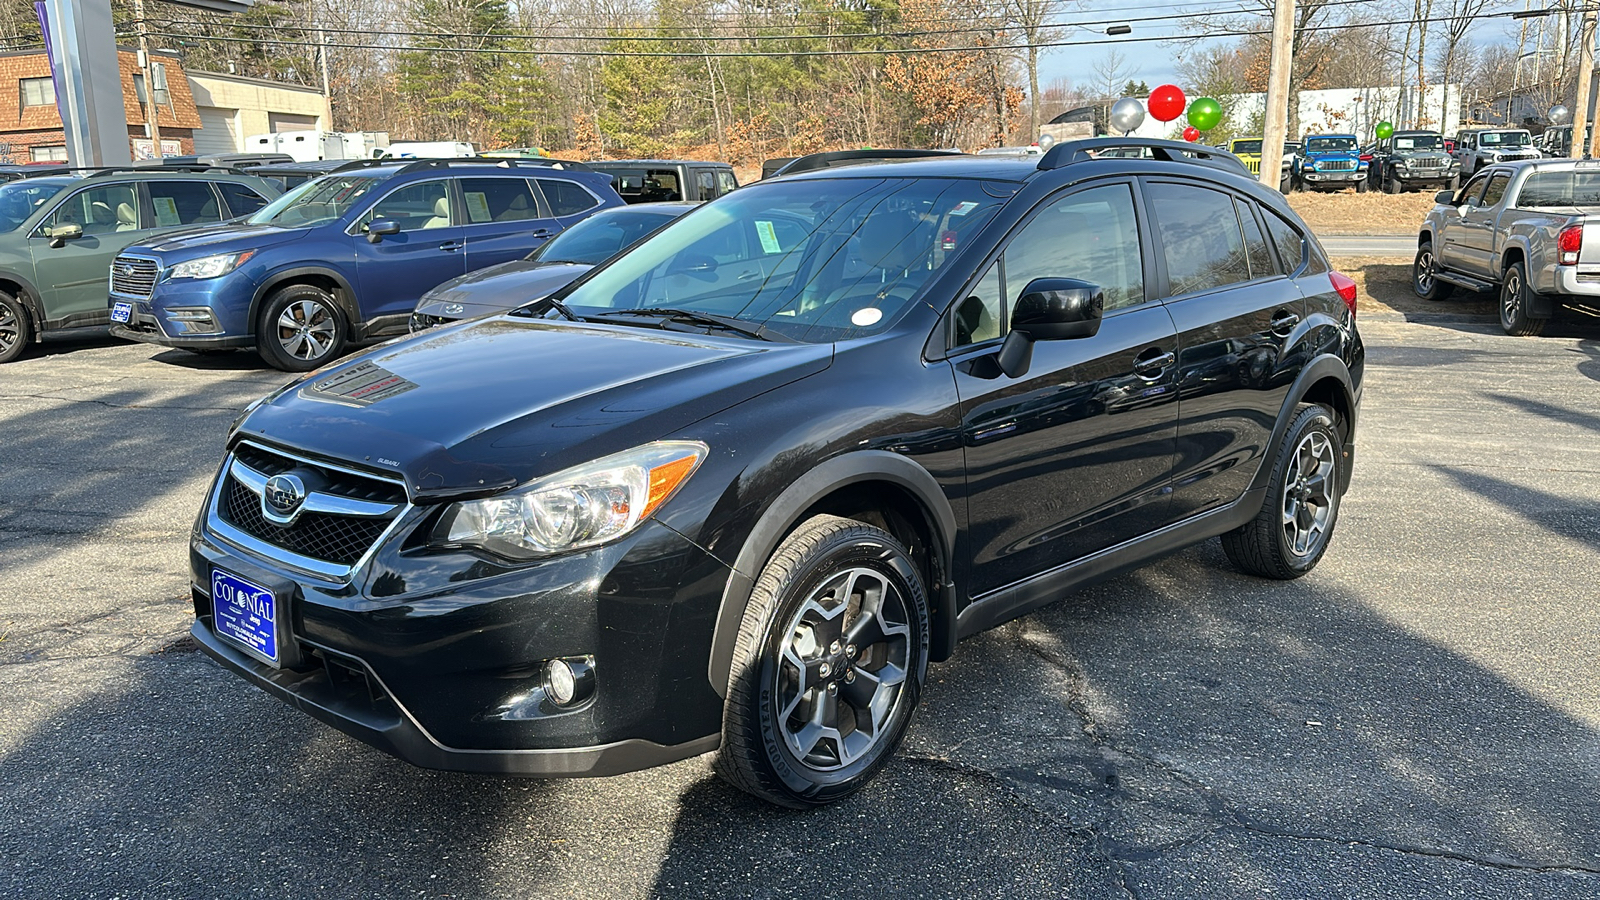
(249, 616)
(121, 312)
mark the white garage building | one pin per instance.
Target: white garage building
(233, 107)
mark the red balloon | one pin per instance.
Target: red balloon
(1166, 103)
(1191, 134)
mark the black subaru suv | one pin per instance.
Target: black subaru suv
(735, 489)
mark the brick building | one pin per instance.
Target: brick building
(30, 126)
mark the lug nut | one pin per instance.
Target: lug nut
(850, 650)
(834, 648)
(825, 670)
(849, 676)
(833, 688)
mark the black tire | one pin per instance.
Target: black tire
(1424, 280)
(1361, 186)
(1284, 184)
(300, 329)
(1514, 296)
(16, 328)
(1291, 533)
(1391, 185)
(1455, 184)
(783, 657)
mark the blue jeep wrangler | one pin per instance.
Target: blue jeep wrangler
(1329, 162)
(344, 257)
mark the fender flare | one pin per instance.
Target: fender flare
(346, 296)
(32, 299)
(1322, 367)
(784, 512)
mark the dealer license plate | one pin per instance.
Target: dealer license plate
(246, 614)
(121, 312)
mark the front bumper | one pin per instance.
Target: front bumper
(144, 327)
(1332, 180)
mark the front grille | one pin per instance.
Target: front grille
(1337, 165)
(1252, 165)
(330, 537)
(1427, 163)
(132, 276)
(423, 321)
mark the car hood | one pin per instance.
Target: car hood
(499, 288)
(1421, 154)
(475, 408)
(223, 237)
(1320, 155)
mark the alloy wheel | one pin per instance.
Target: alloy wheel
(10, 329)
(1511, 299)
(842, 667)
(1308, 494)
(1424, 272)
(306, 329)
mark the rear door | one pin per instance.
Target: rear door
(506, 220)
(396, 271)
(1235, 307)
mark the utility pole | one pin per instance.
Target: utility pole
(1276, 129)
(327, 94)
(152, 112)
(1581, 115)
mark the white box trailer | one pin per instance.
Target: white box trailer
(426, 150)
(310, 146)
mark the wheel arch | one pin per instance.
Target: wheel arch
(883, 488)
(1325, 381)
(328, 279)
(19, 287)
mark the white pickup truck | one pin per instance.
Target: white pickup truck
(1518, 228)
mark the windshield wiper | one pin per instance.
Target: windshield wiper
(671, 314)
(550, 303)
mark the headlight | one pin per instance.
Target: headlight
(581, 507)
(210, 266)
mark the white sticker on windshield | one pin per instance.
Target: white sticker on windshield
(864, 317)
(166, 210)
(963, 208)
(769, 238)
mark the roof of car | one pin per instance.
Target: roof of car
(991, 168)
(656, 162)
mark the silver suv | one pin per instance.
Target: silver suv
(1487, 146)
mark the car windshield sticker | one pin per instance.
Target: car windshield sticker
(478, 206)
(363, 385)
(868, 316)
(166, 210)
(963, 208)
(769, 238)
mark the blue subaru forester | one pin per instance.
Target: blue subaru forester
(344, 257)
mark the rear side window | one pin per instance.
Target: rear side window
(241, 200)
(566, 198)
(184, 203)
(1200, 237)
(498, 200)
(1255, 244)
(1291, 246)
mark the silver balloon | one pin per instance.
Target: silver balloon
(1559, 114)
(1127, 114)
(1046, 142)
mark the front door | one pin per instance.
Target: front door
(1472, 237)
(505, 220)
(396, 271)
(1074, 455)
(1447, 239)
(75, 277)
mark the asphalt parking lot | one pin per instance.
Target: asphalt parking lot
(1419, 717)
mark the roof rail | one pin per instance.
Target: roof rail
(504, 162)
(101, 172)
(1066, 153)
(838, 158)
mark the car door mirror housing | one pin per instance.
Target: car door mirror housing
(1053, 309)
(60, 234)
(381, 227)
(1444, 197)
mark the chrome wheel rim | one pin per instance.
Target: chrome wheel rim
(841, 669)
(306, 329)
(1424, 274)
(1511, 299)
(1308, 495)
(10, 329)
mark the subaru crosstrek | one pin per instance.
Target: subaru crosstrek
(737, 487)
(59, 233)
(344, 257)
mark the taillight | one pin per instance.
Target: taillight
(1569, 242)
(1345, 288)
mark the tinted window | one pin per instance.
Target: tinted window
(1571, 187)
(1255, 243)
(241, 200)
(1469, 192)
(1200, 237)
(184, 203)
(566, 198)
(21, 199)
(1291, 246)
(1090, 235)
(416, 206)
(725, 181)
(316, 202)
(100, 210)
(498, 200)
(599, 237)
(978, 315)
(707, 182)
(1496, 190)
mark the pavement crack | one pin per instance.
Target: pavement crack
(1243, 823)
(108, 404)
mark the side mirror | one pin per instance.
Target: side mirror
(1050, 309)
(381, 227)
(1445, 197)
(60, 234)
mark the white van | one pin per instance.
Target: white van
(425, 150)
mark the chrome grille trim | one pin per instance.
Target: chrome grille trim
(139, 279)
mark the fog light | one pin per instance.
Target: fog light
(560, 682)
(192, 320)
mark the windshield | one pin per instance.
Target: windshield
(1246, 146)
(315, 202)
(1418, 142)
(20, 199)
(598, 238)
(1505, 139)
(1330, 144)
(812, 260)
(1560, 188)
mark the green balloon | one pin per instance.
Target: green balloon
(1205, 113)
(1385, 130)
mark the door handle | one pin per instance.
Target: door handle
(1151, 366)
(746, 276)
(1283, 321)
(450, 245)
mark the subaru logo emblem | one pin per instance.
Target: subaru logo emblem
(125, 269)
(454, 309)
(282, 496)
